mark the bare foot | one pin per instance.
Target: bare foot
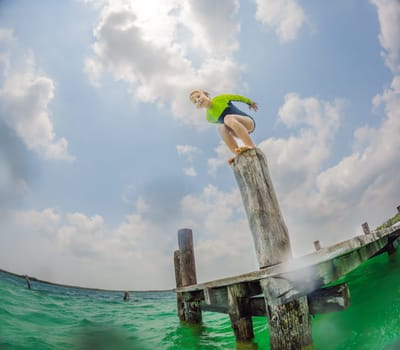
(242, 149)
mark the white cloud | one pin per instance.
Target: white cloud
(376, 161)
(44, 221)
(93, 70)
(64, 244)
(367, 180)
(221, 233)
(141, 205)
(5, 34)
(25, 96)
(190, 171)
(188, 151)
(212, 25)
(296, 161)
(138, 247)
(286, 17)
(316, 124)
(389, 37)
(330, 203)
(157, 68)
(94, 3)
(223, 154)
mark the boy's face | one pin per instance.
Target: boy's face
(200, 99)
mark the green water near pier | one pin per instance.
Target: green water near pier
(55, 317)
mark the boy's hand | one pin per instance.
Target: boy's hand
(254, 106)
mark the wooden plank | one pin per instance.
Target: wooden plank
(288, 286)
(329, 299)
(321, 301)
(216, 296)
(320, 260)
(222, 309)
(216, 299)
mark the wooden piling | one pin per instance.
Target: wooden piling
(269, 231)
(365, 228)
(292, 290)
(317, 245)
(242, 325)
(185, 274)
(391, 248)
(178, 280)
(188, 266)
(289, 323)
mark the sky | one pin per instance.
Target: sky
(103, 158)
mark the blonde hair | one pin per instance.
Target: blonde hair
(199, 90)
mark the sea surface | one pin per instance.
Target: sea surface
(55, 317)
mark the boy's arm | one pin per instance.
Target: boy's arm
(239, 98)
(252, 105)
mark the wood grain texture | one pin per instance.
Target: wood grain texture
(269, 231)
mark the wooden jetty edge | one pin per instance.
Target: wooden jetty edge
(285, 289)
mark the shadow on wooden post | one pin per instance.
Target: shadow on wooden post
(289, 323)
(185, 275)
(242, 325)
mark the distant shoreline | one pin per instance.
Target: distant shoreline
(34, 279)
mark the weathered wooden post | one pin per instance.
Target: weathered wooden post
(289, 323)
(365, 228)
(242, 325)
(185, 274)
(178, 280)
(317, 245)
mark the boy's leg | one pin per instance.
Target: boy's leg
(241, 126)
(227, 137)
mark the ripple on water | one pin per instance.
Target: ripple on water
(62, 318)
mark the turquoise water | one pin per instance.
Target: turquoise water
(53, 317)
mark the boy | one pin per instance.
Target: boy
(233, 122)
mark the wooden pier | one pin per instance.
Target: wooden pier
(285, 289)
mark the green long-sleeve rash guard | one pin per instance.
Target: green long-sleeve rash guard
(220, 102)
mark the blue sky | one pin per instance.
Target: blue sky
(103, 158)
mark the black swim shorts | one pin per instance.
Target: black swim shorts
(232, 109)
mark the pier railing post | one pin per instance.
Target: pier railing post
(365, 228)
(290, 323)
(185, 274)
